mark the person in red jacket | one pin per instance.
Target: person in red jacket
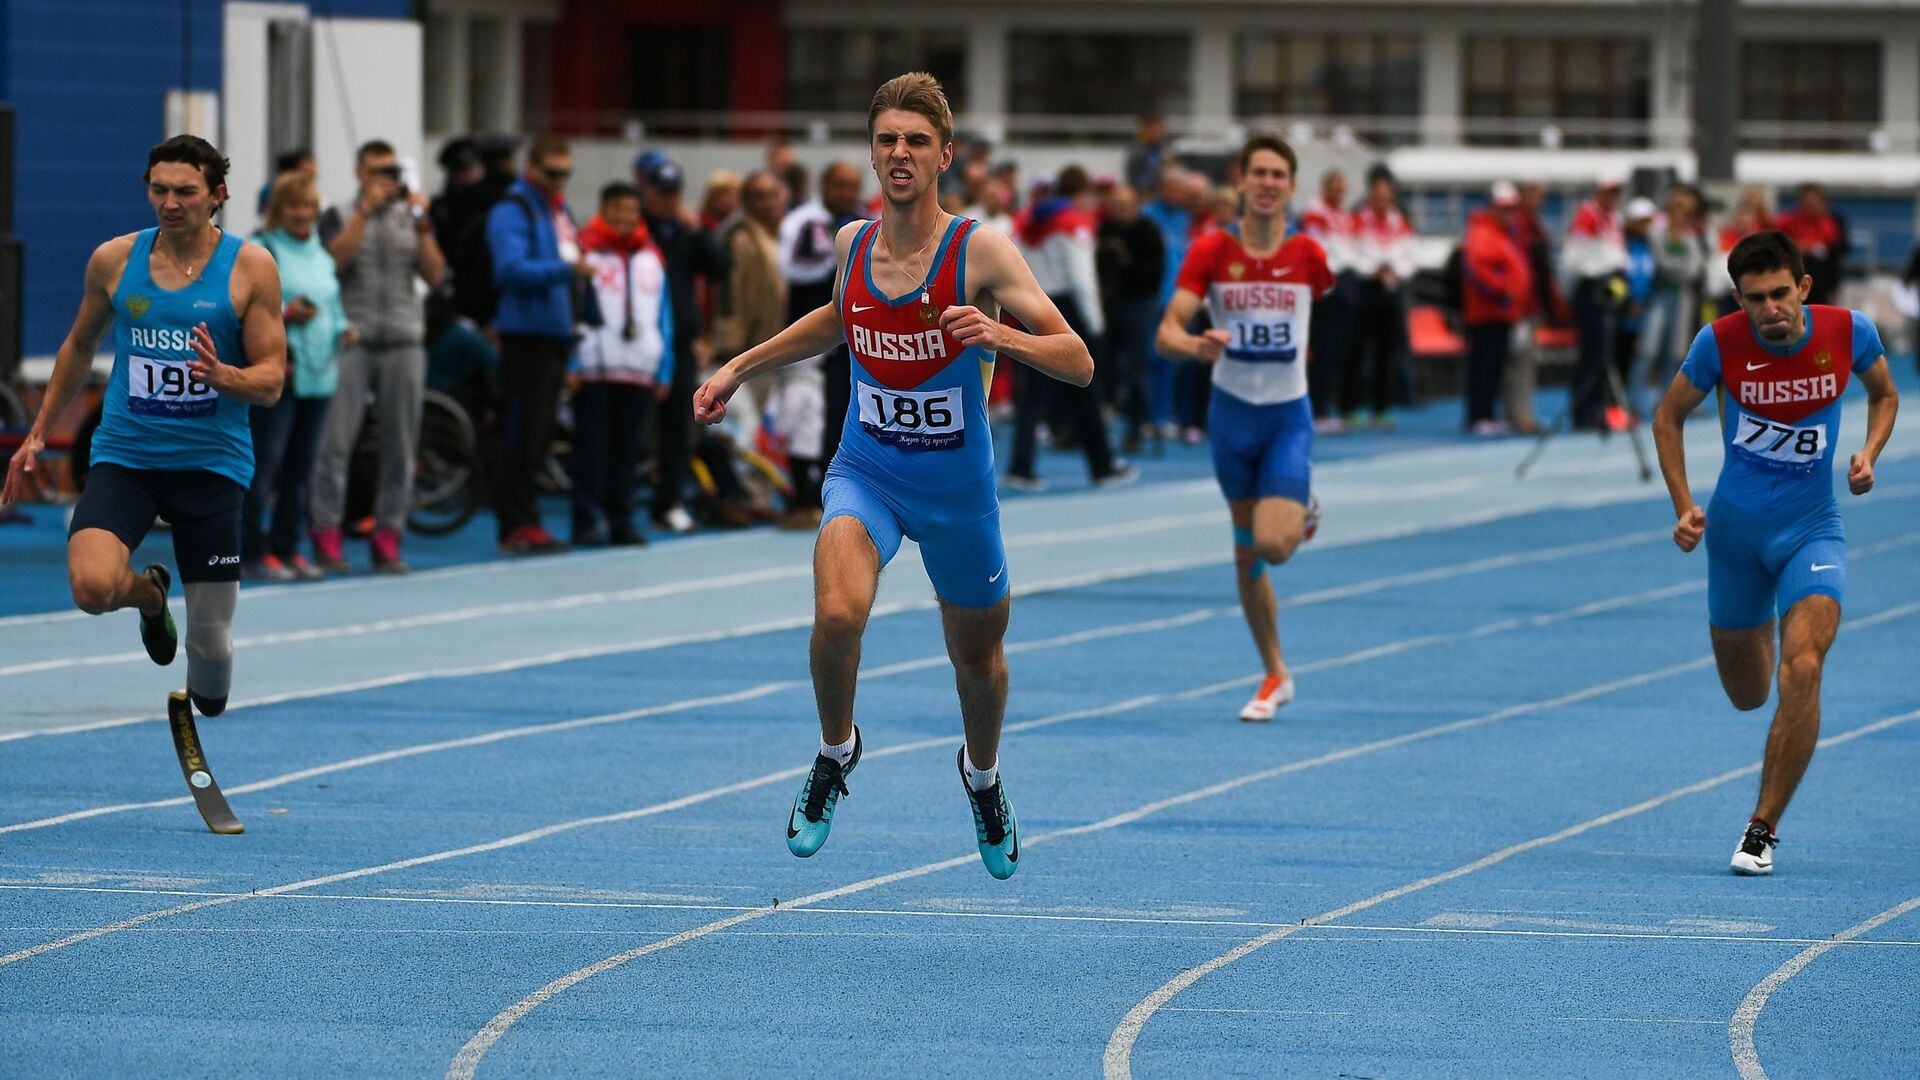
(1497, 292)
(1822, 238)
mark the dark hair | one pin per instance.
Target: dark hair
(1764, 251)
(1071, 182)
(371, 147)
(1273, 143)
(291, 160)
(189, 150)
(619, 189)
(545, 146)
(1379, 172)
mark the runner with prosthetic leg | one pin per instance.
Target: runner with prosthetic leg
(198, 337)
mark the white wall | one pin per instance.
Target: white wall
(243, 80)
(379, 64)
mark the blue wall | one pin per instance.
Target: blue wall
(88, 81)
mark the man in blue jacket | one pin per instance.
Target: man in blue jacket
(536, 259)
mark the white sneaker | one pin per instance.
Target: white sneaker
(1124, 472)
(677, 520)
(1754, 856)
(1030, 484)
(1273, 694)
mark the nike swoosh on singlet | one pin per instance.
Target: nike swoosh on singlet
(857, 309)
(1751, 366)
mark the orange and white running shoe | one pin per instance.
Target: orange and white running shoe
(1273, 694)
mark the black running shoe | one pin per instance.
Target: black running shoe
(1754, 856)
(157, 632)
(812, 814)
(993, 824)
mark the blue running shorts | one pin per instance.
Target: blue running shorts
(1261, 451)
(1760, 564)
(958, 534)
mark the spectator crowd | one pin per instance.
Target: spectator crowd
(579, 336)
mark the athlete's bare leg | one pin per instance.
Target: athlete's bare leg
(102, 581)
(1277, 526)
(1805, 636)
(846, 574)
(1745, 660)
(976, 644)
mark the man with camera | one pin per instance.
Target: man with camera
(378, 245)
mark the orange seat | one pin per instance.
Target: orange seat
(1428, 333)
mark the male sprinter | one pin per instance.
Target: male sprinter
(1776, 544)
(917, 301)
(197, 338)
(1259, 283)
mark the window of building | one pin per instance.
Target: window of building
(1597, 91)
(837, 70)
(1122, 75)
(1333, 75)
(676, 70)
(1787, 84)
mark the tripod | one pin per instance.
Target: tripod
(1616, 392)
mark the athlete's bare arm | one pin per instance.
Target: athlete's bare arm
(74, 362)
(1682, 398)
(1883, 400)
(263, 337)
(995, 269)
(1172, 339)
(810, 335)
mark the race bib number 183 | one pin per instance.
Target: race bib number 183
(913, 419)
(157, 387)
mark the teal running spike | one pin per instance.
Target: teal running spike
(812, 815)
(993, 824)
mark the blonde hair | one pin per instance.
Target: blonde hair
(290, 188)
(914, 92)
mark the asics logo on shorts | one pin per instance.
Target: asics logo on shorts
(223, 560)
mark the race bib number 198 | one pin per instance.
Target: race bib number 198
(157, 387)
(913, 419)
(1781, 444)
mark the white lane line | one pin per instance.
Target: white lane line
(1166, 920)
(751, 693)
(1150, 626)
(1746, 1057)
(1117, 1062)
(468, 1059)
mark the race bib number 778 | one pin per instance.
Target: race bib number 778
(159, 387)
(913, 419)
(1781, 444)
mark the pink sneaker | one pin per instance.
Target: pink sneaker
(327, 553)
(386, 552)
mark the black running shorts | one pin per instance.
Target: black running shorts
(202, 507)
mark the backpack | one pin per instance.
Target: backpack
(475, 293)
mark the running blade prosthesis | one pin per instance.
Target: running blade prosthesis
(193, 765)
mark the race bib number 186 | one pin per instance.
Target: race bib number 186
(913, 419)
(157, 387)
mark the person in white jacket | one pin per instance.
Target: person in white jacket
(623, 365)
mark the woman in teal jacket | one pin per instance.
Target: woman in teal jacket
(286, 435)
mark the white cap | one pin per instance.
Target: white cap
(1505, 194)
(1641, 208)
(1610, 178)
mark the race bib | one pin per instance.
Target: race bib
(1781, 445)
(1268, 340)
(157, 387)
(913, 419)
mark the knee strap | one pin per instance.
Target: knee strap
(210, 607)
(1244, 558)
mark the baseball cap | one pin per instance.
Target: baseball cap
(1611, 178)
(1505, 194)
(661, 173)
(1641, 208)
